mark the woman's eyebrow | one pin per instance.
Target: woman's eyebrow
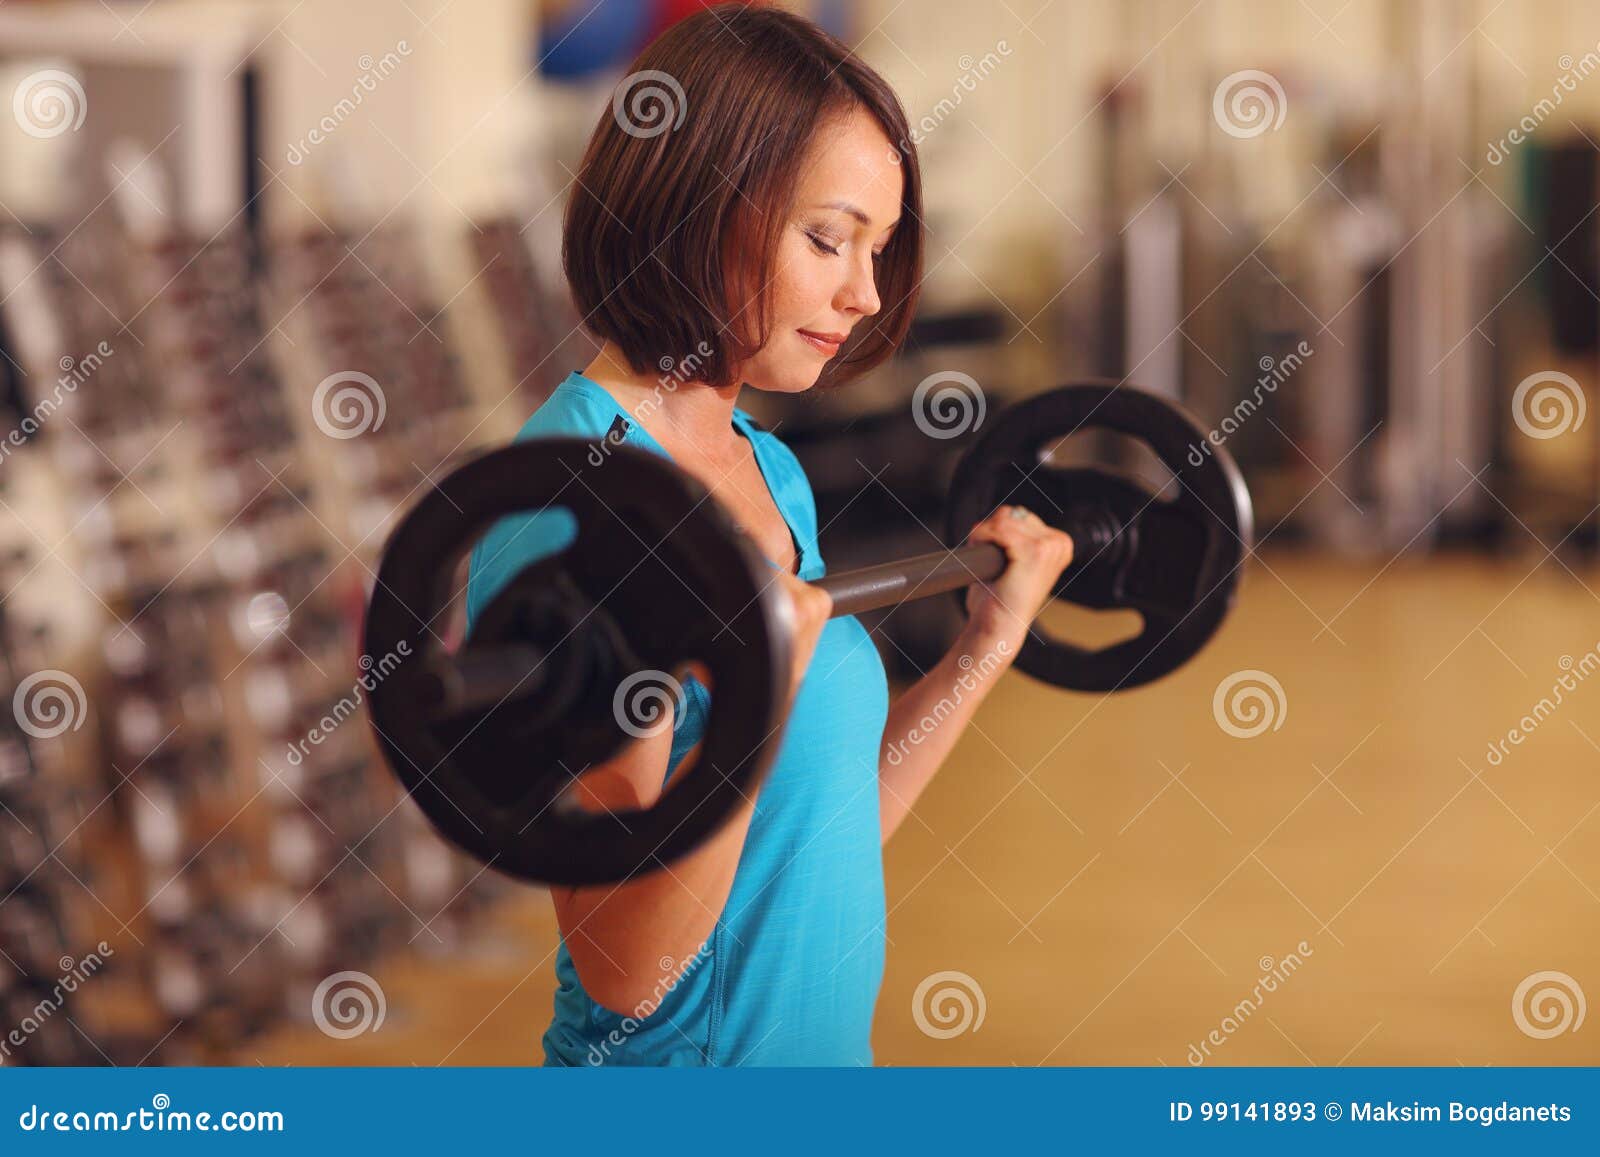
(856, 212)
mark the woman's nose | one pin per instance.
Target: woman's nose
(860, 292)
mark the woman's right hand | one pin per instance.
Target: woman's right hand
(806, 610)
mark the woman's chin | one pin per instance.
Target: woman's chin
(789, 382)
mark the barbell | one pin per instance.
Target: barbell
(490, 740)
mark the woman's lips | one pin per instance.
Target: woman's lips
(826, 344)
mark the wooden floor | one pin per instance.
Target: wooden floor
(1115, 876)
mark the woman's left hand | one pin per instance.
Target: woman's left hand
(1037, 554)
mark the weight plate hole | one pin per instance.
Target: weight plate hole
(1086, 627)
(1100, 448)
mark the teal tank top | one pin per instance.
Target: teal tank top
(790, 974)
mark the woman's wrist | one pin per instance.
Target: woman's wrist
(990, 643)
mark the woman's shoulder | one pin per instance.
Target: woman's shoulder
(574, 409)
(516, 540)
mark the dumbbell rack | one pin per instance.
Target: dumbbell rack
(304, 903)
(364, 304)
(229, 863)
(42, 929)
(539, 331)
(61, 874)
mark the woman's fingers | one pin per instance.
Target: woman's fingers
(1007, 529)
(1036, 554)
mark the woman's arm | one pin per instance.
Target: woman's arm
(629, 940)
(924, 723)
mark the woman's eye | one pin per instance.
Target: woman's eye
(822, 246)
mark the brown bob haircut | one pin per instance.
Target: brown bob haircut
(699, 159)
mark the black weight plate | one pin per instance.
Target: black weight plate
(660, 561)
(1174, 557)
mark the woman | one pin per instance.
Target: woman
(753, 219)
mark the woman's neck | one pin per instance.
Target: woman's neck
(688, 414)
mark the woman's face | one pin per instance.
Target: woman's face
(824, 278)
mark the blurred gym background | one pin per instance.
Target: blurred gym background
(268, 267)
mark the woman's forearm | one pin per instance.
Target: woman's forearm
(925, 722)
(619, 934)
(629, 940)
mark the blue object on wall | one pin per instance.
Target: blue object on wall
(591, 36)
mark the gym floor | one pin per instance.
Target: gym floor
(1112, 878)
